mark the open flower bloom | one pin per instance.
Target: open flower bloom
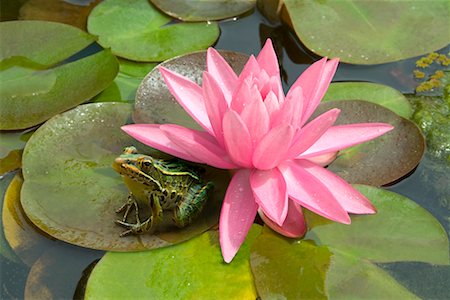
(249, 125)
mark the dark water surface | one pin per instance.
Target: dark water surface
(63, 264)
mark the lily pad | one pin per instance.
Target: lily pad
(5, 248)
(29, 97)
(24, 238)
(148, 35)
(200, 10)
(371, 92)
(192, 270)
(384, 159)
(56, 273)
(155, 103)
(289, 269)
(401, 230)
(23, 39)
(71, 191)
(126, 83)
(368, 32)
(341, 258)
(57, 11)
(11, 146)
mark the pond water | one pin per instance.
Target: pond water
(61, 266)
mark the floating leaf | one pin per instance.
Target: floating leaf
(24, 39)
(126, 83)
(72, 192)
(384, 159)
(25, 239)
(29, 97)
(350, 277)
(372, 92)
(191, 270)
(147, 36)
(198, 10)
(57, 11)
(288, 269)
(5, 248)
(154, 102)
(56, 273)
(337, 261)
(401, 230)
(367, 32)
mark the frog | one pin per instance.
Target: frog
(163, 185)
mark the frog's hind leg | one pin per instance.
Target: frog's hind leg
(148, 225)
(192, 205)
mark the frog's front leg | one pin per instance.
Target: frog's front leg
(192, 204)
(127, 207)
(146, 226)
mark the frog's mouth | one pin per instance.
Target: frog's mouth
(117, 165)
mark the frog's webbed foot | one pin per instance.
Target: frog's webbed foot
(137, 228)
(127, 206)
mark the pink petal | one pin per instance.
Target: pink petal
(237, 214)
(277, 87)
(221, 71)
(269, 190)
(238, 141)
(189, 95)
(257, 119)
(291, 110)
(343, 136)
(267, 59)
(315, 81)
(349, 198)
(250, 68)
(294, 226)
(311, 193)
(272, 104)
(309, 134)
(244, 93)
(216, 105)
(153, 136)
(273, 147)
(324, 159)
(199, 145)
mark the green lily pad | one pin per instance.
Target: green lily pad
(57, 11)
(287, 268)
(200, 10)
(147, 36)
(367, 32)
(24, 238)
(126, 83)
(29, 97)
(192, 270)
(71, 191)
(371, 92)
(338, 261)
(11, 146)
(155, 103)
(350, 277)
(23, 39)
(401, 230)
(384, 159)
(56, 273)
(5, 248)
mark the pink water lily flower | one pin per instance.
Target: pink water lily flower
(250, 126)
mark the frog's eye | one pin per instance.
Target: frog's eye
(147, 163)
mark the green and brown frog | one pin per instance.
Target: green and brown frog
(165, 185)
